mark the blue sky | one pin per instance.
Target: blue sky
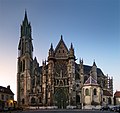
(93, 26)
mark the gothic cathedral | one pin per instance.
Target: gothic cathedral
(60, 81)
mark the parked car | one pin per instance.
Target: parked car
(105, 108)
(19, 108)
(5, 109)
(11, 108)
(71, 107)
(1, 109)
(115, 108)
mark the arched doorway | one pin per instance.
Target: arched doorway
(109, 101)
(61, 98)
(23, 101)
(32, 100)
(77, 99)
(78, 104)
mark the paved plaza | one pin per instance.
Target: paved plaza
(65, 111)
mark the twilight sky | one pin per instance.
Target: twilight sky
(93, 26)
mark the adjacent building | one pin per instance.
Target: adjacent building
(60, 81)
(6, 97)
(117, 98)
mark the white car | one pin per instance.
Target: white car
(71, 107)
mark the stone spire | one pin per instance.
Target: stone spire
(71, 52)
(26, 27)
(94, 71)
(51, 52)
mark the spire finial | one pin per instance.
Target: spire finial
(81, 60)
(71, 46)
(35, 58)
(94, 64)
(42, 62)
(25, 18)
(61, 37)
(45, 61)
(51, 46)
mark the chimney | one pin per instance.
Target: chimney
(8, 87)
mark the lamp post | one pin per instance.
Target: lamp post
(38, 99)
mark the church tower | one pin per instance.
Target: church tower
(25, 58)
(71, 72)
(50, 92)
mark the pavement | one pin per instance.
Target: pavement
(60, 111)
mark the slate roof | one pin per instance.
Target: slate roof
(88, 68)
(6, 90)
(107, 93)
(117, 94)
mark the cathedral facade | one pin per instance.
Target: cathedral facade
(60, 81)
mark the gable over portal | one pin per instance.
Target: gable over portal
(61, 51)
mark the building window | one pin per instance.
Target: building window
(87, 92)
(95, 92)
(7, 104)
(37, 90)
(6, 97)
(11, 97)
(77, 85)
(40, 100)
(23, 101)
(11, 104)
(109, 100)
(103, 99)
(32, 100)
(2, 97)
(77, 99)
(23, 65)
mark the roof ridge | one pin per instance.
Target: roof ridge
(91, 81)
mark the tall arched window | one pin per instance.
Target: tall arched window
(87, 92)
(40, 100)
(23, 65)
(77, 99)
(32, 100)
(95, 92)
(23, 101)
(109, 100)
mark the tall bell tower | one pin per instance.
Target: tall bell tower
(25, 58)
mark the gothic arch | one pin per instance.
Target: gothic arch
(87, 92)
(95, 91)
(23, 65)
(23, 101)
(32, 100)
(61, 97)
(20, 66)
(40, 100)
(109, 101)
(77, 99)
